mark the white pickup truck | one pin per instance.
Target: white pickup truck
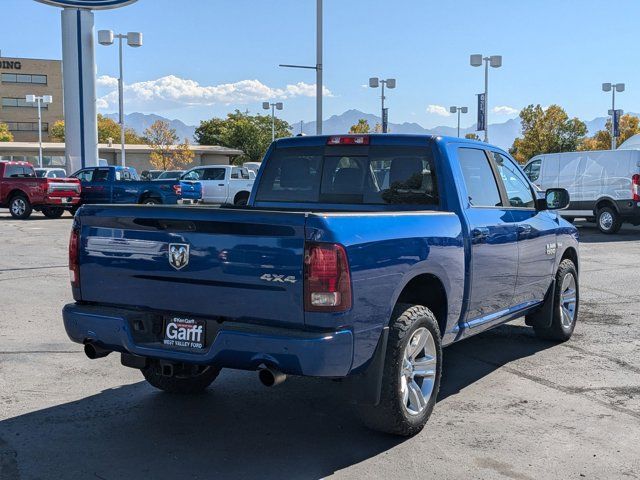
(222, 184)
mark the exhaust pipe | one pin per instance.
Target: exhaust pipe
(270, 377)
(93, 351)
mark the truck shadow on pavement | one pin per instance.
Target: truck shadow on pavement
(589, 233)
(303, 429)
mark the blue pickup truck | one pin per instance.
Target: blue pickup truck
(102, 185)
(358, 257)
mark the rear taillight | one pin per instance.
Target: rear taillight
(177, 189)
(327, 282)
(74, 257)
(635, 187)
(348, 140)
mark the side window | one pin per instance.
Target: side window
(84, 175)
(482, 188)
(214, 174)
(194, 175)
(100, 175)
(12, 171)
(123, 175)
(235, 173)
(533, 170)
(28, 172)
(518, 188)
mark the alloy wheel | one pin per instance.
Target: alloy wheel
(418, 373)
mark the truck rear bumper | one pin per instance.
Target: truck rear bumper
(236, 345)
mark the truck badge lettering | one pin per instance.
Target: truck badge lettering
(272, 277)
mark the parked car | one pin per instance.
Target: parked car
(121, 185)
(170, 175)
(604, 185)
(22, 191)
(328, 274)
(222, 183)
(252, 166)
(51, 172)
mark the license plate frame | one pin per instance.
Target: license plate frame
(184, 332)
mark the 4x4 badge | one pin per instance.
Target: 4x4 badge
(178, 255)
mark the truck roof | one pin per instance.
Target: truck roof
(374, 139)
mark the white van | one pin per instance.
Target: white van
(603, 185)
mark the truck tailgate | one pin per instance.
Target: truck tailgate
(232, 263)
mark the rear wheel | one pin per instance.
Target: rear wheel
(608, 220)
(411, 376)
(52, 212)
(151, 201)
(241, 199)
(20, 207)
(190, 379)
(565, 305)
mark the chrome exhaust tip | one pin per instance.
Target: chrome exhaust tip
(270, 377)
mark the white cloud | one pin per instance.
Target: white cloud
(438, 110)
(175, 92)
(505, 110)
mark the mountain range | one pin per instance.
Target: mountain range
(500, 134)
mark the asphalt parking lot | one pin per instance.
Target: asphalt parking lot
(511, 406)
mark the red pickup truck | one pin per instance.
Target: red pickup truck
(21, 191)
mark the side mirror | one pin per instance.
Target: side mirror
(556, 199)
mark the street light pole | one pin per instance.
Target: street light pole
(134, 39)
(318, 67)
(375, 82)
(496, 62)
(39, 101)
(613, 87)
(274, 107)
(458, 110)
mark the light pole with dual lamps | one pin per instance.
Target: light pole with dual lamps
(43, 100)
(375, 82)
(458, 110)
(273, 107)
(134, 39)
(613, 88)
(496, 62)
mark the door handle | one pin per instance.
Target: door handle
(221, 184)
(479, 234)
(524, 230)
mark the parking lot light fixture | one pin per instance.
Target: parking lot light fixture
(458, 110)
(134, 39)
(39, 101)
(495, 61)
(273, 106)
(613, 88)
(375, 82)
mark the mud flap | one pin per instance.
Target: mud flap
(544, 315)
(366, 386)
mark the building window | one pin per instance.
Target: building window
(27, 126)
(20, 102)
(24, 78)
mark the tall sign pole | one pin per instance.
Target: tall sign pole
(79, 78)
(319, 67)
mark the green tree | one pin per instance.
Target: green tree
(361, 127)
(5, 134)
(472, 136)
(107, 129)
(547, 130)
(240, 130)
(629, 126)
(166, 152)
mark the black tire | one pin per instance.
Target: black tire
(608, 220)
(20, 207)
(390, 415)
(559, 331)
(241, 200)
(52, 212)
(150, 201)
(184, 383)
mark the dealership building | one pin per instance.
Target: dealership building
(20, 77)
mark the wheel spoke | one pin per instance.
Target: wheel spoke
(420, 338)
(416, 400)
(424, 367)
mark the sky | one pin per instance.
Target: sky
(204, 58)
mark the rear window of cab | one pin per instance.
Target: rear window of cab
(385, 175)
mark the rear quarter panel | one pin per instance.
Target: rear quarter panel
(386, 251)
